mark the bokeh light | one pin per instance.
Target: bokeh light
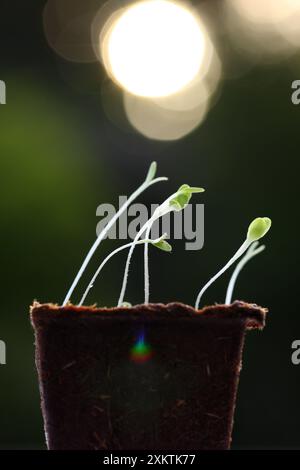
(156, 122)
(173, 117)
(67, 26)
(153, 48)
(160, 54)
(271, 25)
(266, 11)
(198, 90)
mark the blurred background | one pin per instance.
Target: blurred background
(75, 132)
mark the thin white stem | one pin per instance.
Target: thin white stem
(121, 248)
(146, 267)
(237, 255)
(252, 251)
(161, 210)
(106, 229)
(124, 284)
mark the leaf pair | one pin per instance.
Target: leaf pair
(183, 196)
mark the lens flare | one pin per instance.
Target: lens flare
(67, 28)
(266, 11)
(158, 123)
(141, 352)
(265, 27)
(153, 48)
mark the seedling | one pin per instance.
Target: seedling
(159, 243)
(100, 342)
(257, 229)
(174, 203)
(149, 181)
(252, 251)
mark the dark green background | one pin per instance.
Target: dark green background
(60, 157)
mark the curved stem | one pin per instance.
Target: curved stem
(125, 277)
(92, 281)
(161, 210)
(237, 255)
(252, 251)
(104, 232)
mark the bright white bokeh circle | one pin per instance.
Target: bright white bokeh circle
(154, 48)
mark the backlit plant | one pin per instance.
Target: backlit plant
(174, 203)
(149, 181)
(257, 229)
(159, 243)
(252, 251)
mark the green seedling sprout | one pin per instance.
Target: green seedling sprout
(252, 251)
(159, 243)
(175, 203)
(149, 181)
(257, 229)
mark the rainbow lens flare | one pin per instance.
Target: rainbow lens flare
(141, 352)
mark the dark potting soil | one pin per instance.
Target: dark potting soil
(96, 393)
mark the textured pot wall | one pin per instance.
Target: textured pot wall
(95, 396)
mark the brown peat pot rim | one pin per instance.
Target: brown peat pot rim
(252, 314)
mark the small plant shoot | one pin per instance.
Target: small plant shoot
(252, 251)
(174, 203)
(177, 203)
(256, 230)
(159, 243)
(149, 181)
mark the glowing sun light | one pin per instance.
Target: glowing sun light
(154, 48)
